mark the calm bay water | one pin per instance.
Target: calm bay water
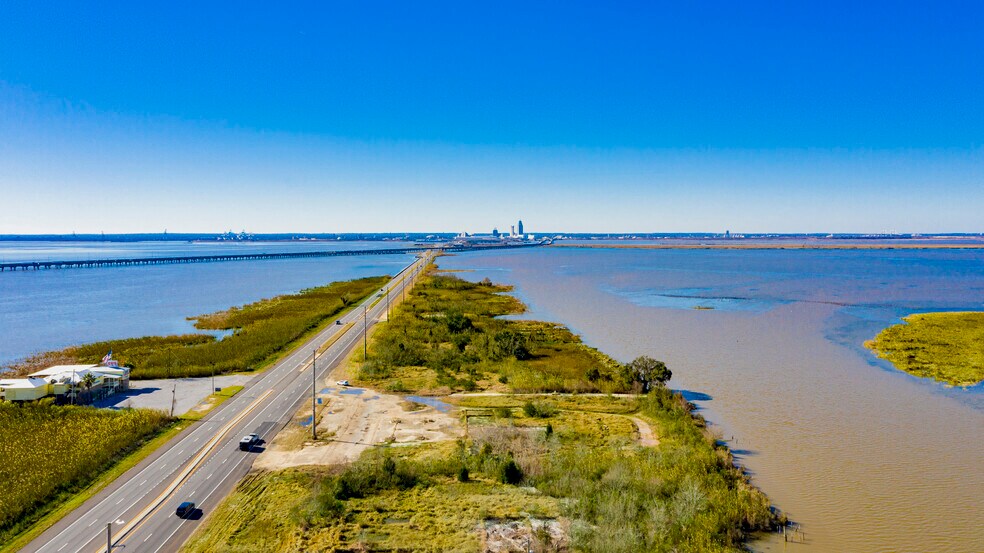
(865, 457)
(50, 309)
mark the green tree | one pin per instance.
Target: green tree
(456, 321)
(87, 381)
(649, 372)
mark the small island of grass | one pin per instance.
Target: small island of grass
(948, 347)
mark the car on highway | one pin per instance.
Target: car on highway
(338, 322)
(343, 383)
(185, 509)
(248, 442)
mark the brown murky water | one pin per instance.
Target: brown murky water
(865, 458)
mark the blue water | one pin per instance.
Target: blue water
(48, 251)
(433, 402)
(51, 309)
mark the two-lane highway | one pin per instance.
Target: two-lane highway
(204, 462)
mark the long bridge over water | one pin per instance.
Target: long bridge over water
(164, 260)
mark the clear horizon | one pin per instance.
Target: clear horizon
(760, 118)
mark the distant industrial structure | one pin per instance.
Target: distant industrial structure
(515, 237)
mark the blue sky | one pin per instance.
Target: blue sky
(622, 117)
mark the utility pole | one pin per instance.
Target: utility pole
(365, 331)
(314, 391)
(387, 304)
(174, 390)
(109, 537)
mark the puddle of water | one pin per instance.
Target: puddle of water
(306, 421)
(351, 391)
(432, 402)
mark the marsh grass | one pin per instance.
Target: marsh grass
(449, 336)
(948, 347)
(79, 443)
(261, 332)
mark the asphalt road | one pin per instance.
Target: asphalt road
(204, 463)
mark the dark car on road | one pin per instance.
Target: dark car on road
(248, 442)
(185, 509)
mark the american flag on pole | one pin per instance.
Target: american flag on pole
(107, 358)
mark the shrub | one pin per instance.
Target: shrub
(456, 321)
(510, 473)
(502, 412)
(539, 409)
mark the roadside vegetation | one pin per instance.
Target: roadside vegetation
(948, 347)
(570, 463)
(50, 453)
(449, 336)
(568, 471)
(260, 331)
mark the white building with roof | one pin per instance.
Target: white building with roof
(67, 383)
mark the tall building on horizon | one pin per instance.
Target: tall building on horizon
(519, 227)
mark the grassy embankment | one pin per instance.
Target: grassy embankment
(261, 332)
(51, 454)
(571, 460)
(948, 347)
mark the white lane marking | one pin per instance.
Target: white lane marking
(255, 417)
(121, 500)
(142, 483)
(148, 537)
(91, 523)
(63, 546)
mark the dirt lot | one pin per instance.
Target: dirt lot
(353, 420)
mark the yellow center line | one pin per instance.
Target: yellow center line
(206, 449)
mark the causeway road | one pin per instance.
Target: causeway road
(204, 463)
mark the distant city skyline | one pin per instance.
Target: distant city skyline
(629, 118)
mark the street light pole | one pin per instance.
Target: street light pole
(365, 330)
(109, 537)
(314, 388)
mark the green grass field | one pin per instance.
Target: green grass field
(260, 332)
(948, 347)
